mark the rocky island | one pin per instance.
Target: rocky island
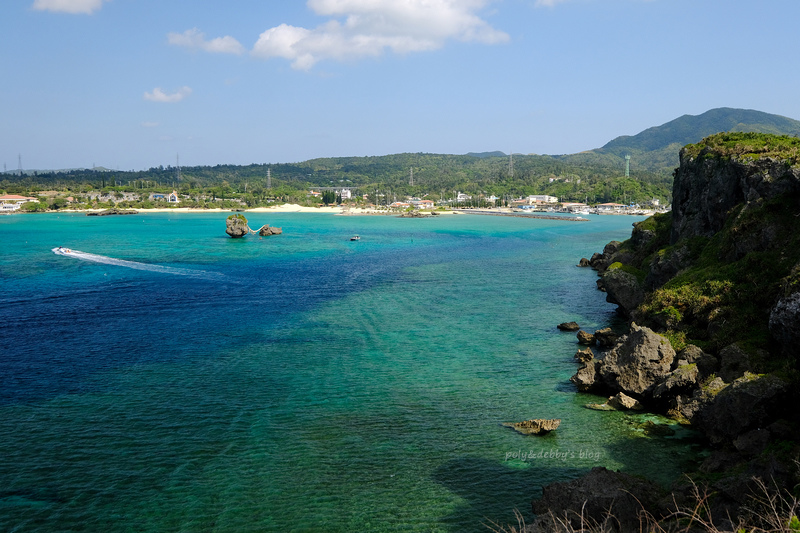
(711, 292)
(236, 226)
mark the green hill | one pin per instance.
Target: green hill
(656, 149)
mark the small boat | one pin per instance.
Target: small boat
(355, 238)
(62, 251)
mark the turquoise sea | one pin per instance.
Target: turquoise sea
(180, 380)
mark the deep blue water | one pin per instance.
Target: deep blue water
(300, 382)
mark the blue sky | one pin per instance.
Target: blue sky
(129, 84)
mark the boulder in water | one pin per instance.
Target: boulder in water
(537, 426)
(237, 226)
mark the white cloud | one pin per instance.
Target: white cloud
(548, 3)
(158, 95)
(69, 6)
(369, 27)
(149, 124)
(196, 39)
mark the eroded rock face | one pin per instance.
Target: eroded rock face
(707, 188)
(637, 363)
(536, 426)
(584, 356)
(748, 403)
(623, 289)
(606, 338)
(236, 227)
(683, 379)
(266, 231)
(593, 496)
(585, 338)
(623, 402)
(586, 376)
(784, 324)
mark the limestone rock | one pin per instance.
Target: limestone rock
(665, 267)
(623, 402)
(584, 356)
(583, 262)
(623, 289)
(236, 226)
(536, 426)
(707, 364)
(585, 338)
(753, 442)
(637, 363)
(266, 231)
(707, 188)
(734, 362)
(586, 376)
(784, 324)
(606, 338)
(591, 498)
(683, 379)
(596, 260)
(748, 403)
(568, 326)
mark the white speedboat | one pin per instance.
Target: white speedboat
(62, 251)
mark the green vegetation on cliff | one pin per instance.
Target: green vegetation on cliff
(748, 146)
(716, 290)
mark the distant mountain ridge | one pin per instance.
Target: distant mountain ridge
(656, 149)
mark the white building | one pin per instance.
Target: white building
(12, 202)
(542, 199)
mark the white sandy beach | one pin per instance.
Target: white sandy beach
(284, 208)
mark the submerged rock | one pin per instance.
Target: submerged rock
(568, 326)
(537, 426)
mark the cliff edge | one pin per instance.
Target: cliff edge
(712, 294)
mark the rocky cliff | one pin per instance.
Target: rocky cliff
(712, 292)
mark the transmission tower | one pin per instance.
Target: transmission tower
(178, 164)
(411, 177)
(627, 166)
(19, 166)
(511, 164)
(269, 179)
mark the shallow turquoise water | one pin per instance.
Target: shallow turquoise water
(301, 382)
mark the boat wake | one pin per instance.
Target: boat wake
(94, 258)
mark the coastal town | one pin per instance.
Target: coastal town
(344, 200)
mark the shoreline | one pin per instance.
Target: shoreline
(336, 210)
